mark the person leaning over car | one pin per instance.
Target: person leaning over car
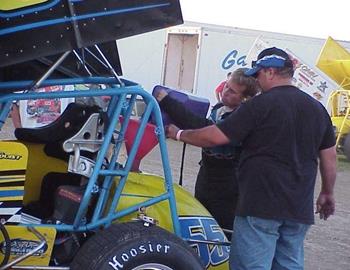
(216, 184)
(220, 88)
(283, 132)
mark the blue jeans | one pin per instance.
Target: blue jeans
(259, 244)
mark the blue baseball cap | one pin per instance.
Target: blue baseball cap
(271, 57)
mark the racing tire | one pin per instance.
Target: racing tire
(346, 146)
(133, 246)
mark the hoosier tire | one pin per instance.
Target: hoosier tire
(132, 246)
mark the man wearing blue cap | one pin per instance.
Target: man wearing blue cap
(284, 132)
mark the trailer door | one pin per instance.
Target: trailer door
(180, 61)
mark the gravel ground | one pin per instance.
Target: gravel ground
(327, 246)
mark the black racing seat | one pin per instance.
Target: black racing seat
(64, 127)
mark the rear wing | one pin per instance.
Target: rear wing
(39, 28)
(334, 60)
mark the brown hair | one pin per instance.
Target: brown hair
(252, 87)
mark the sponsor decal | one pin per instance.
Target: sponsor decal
(22, 246)
(70, 195)
(206, 228)
(4, 155)
(322, 86)
(233, 58)
(118, 262)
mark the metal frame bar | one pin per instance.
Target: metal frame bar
(119, 92)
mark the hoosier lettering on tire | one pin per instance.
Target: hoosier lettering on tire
(132, 246)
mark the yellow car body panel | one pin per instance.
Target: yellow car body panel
(39, 164)
(195, 221)
(13, 156)
(13, 164)
(338, 121)
(7, 5)
(22, 241)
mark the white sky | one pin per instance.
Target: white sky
(315, 18)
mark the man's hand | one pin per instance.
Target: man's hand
(171, 131)
(325, 205)
(204, 137)
(160, 95)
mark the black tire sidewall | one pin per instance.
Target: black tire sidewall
(128, 245)
(148, 250)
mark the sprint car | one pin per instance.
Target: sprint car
(70, 198)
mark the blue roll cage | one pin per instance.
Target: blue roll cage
(123, 95)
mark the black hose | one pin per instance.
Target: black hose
(7, 243)
(182, 164)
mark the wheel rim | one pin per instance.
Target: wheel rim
(152, 266)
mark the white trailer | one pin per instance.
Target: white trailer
(196, 57)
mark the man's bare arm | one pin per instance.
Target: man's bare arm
(203, 137)
(325, 203)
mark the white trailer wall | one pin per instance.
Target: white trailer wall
(142, 57)
(221, 49)
(224, 49)
(220, 52)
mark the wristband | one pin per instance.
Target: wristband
(178, 134)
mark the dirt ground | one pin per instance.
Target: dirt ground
(327, 245)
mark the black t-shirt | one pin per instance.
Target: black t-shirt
(281, 132)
